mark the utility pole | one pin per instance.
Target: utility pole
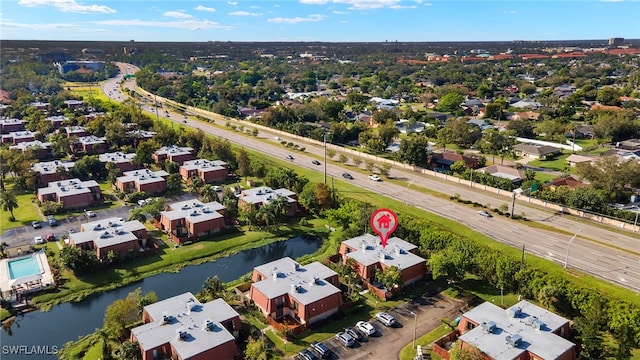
(513, 204)
(415, 326)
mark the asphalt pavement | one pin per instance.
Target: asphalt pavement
(596, 250)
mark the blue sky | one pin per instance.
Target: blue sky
(318, 20)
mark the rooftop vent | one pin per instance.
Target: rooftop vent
(383, 256)
(275, 273)
(296, 287)
(190, 305)
(514, 340)
(181, 334)
(398, 250)
(296, 266)
(166, 318)
(514, 312)
(488, 326)
(97, 227)
(105, 235)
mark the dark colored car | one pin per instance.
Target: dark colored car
(52, 221)
(320, 348)
(347, 176)
(307, 355)
(354, 333)
(315, 162)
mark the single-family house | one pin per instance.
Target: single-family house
(260, 196)
(49, 171)
(575, 159)
(481, 123)
(369, 255)
(143, 180)
(407, 127)
(37, 148)
(72, 193)
(181, 327)
(523, 331)
(568, 181)
(305, 293)
(117, 235)
(190, 219)
(209, 171)
(630, 144)
(443, 161)
(122, 161)
(506, 172)
(533, 151)
(173, 153)
(527, 103)
(74, 104)
(527, 115)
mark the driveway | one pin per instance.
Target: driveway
(388, 341)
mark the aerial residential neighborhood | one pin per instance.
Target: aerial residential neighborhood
(288, 199)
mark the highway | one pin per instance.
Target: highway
(595, 250)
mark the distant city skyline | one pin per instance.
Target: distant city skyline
(318, 20)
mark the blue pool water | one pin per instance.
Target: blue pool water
(23, 267)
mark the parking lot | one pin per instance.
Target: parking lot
(387, 342)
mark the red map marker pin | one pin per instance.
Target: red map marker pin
(384, 222)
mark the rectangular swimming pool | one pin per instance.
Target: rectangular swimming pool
(23, 267)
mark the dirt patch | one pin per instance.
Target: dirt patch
(198, 247)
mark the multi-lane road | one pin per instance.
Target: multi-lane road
(596, 250)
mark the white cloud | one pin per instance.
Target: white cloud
(400, 7)
(295, 20)
(276, 5)
(254, 7)
(178, 14)
(232, 3)
(186, 24)
(341, 12)
(511, 12)
(67, 6)
(244, 13)
(360, 4)
(204, 8)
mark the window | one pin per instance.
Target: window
(295, 305)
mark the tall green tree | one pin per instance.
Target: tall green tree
(8, 202)
(450, 102)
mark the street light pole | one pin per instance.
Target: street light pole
(635, 223)
(324, 139)
(513, 204)
(406, 200)
(566, 258)
(415, 326)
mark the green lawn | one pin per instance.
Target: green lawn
(543, 177)
(558, 164)
(408, 352)
(25, 213)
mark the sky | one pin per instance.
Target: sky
(318, 20)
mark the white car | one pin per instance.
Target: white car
(374, 177)
(366, 328)
(142, 202)
(217, 188)
(386, 318)
(91, 213)
(38, 240)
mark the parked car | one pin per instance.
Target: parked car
(386, 318)
(290, 157)
(71, 231)
(321, 349)
(307, 355)
(50, 237)
(91, 213)
(315, 162)
(142, 202)
(36, 224)
(52, 220)
(217, 188)
(354, 333)
(484, 213)
(345, 339)
(347, 176)
(38, 240)
(374, 177)
(366, 327)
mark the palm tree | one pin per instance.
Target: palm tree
(208, 194)
(195, 185)
(9, 202)
(3, 246)
(138, 214)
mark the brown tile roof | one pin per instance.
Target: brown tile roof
(568, 181)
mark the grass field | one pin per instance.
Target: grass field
(26, 212)
(558, 164)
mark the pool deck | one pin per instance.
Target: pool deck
(29, 286)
